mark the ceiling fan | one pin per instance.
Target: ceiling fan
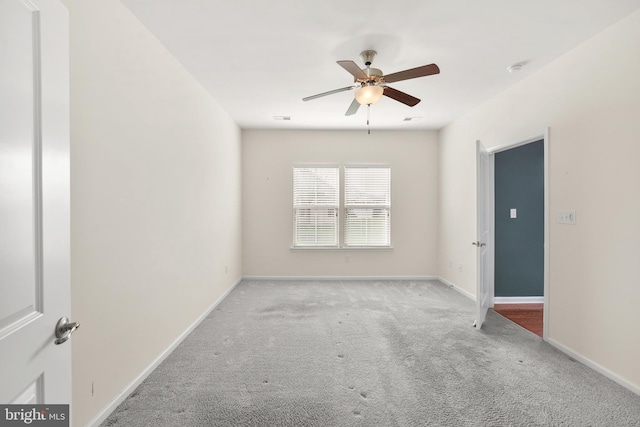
(371, 84)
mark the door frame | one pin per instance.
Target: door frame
(544, 136)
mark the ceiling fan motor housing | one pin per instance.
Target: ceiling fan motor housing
(374, 74)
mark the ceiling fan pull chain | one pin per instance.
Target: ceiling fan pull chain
(368, 115)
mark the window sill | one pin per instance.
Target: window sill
(341, 248)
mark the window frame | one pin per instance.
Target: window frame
(342, 209)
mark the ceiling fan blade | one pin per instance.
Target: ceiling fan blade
(352, 108)
(425, 70)
(400, 96)
(354, 69)
(331, 92)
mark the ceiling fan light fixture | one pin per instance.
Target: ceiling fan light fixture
(369, 94)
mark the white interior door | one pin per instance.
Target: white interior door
(34, 201)
(484, 298)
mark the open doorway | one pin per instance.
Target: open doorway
(518, 212)
(519, 235)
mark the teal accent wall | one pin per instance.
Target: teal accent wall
(519, 242)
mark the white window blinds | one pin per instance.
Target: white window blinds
(367, 204)
(316, 200)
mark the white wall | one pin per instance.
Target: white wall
(155, 201)
(590, 99)
(267, 187)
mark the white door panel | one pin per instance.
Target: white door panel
(484, 277)
(34, 201)
(17, 252)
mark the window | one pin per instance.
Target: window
(365, 210)
(315, 206)
(367, 204)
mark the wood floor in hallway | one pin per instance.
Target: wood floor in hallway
(529, 316)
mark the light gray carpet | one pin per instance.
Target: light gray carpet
(368, 353)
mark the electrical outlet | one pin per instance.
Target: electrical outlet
(459, 267)
(346, 260)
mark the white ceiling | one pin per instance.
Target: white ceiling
(258, 59)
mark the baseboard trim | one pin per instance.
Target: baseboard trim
(518, 300)
(107, 410)
(321, 278)
(457, 288)
(596, 367)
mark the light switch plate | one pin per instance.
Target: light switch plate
(513, 213)
(566, 217)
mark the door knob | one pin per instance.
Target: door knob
(64, 329)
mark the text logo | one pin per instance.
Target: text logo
(34, 415)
